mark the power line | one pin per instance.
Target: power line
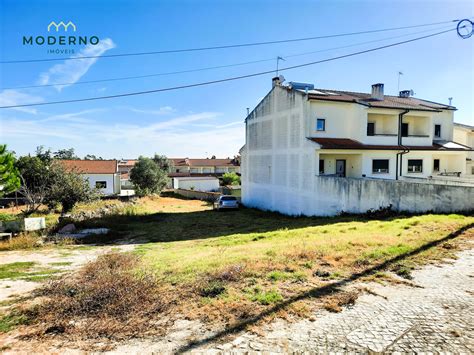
(217, 66)
(226, 79)
(226, 46)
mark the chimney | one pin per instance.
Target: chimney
(377, 91)
(405, 93)
(276, 81)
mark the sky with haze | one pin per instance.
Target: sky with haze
(209, 120)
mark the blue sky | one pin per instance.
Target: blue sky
(208, 120)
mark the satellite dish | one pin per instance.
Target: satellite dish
(282, 78)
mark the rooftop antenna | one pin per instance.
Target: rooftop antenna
(399, 75)
(248, 111)
(450, 100)
(278, 61)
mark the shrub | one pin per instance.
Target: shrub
(231, 179)
(21, 241)
(109, 297)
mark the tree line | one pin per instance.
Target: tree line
(41, 179)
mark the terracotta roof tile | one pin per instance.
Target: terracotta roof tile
(389, 101)
(90, 166)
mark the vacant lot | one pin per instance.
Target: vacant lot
(229, 270)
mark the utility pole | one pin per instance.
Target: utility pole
(399, 75)
(278, 60)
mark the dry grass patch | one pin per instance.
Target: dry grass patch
(111, 297)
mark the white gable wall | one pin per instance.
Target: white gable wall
(112, 181)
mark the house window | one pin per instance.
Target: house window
(371, 128)
(436, 165)
(232, 170)
(437, 130)
(404, 129)
(380, 166)
(415, 165)
(195, 170)
(320, 124)
(101, 184)
(321, 166)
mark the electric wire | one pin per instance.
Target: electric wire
(225, 79)
(226, 46)
(217, 66)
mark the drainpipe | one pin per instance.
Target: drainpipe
(405, 149)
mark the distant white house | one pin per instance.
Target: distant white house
(204, 167)
(101, 174)
(319, 152)
(464, 134)
(204, 183)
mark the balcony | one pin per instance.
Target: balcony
(382, 139)
(417, 139)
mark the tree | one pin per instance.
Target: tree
(148, 177)
(92, 157)
(9, 174)
(67, 188)
(231, 179)
(44, 155)
(163, 162)
(35, 181)
(65, 154)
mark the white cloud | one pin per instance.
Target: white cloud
(72, 70)
(175, 137)
(11, 97)
(165, 110)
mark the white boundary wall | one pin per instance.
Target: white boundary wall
(330, 196)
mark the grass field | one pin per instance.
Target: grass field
(234, 265)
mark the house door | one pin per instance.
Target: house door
(341, 168)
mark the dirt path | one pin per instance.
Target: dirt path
(64, 259)
(436, 316)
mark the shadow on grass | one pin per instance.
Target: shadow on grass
(320, 291)
(170, 227)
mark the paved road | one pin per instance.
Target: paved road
(436, 317)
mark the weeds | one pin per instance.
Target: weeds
(21, 241)
(112, 293)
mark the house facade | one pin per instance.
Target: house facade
(297, 133)
(101, 174)
(464, 134)
(204, 167)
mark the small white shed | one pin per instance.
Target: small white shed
(204, 183)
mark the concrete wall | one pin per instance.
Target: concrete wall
(198, 183)
(330, 196)
(198, 195)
